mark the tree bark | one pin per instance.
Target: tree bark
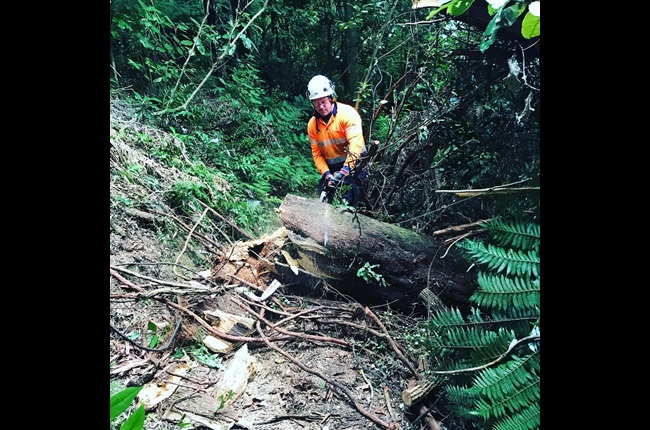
(333, 245)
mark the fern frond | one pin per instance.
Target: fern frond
(505, 396)
(261, 188)
(445, 319)
(501, 292)
(514, 262)
(476, 344)
(476, 316)
(518, 235)
(508, 388)
(520, 321)
(508, 377)
(460, 399)
(526, 419)
(526, 396)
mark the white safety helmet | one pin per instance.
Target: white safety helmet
(319, 86)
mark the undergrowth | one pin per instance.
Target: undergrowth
(241, 170)
(488, 362)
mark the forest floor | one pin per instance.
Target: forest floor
(293, 361)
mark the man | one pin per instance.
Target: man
(337, 144)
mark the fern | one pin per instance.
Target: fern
(514, 262)
(514, 235)
(450, 318)
(510, 386)
(498, 291)
(527, 419)
(492, 378)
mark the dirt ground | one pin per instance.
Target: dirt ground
(299, 359)
(302, 383)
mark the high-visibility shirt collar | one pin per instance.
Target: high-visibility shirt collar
(333, 113)
(319, 116)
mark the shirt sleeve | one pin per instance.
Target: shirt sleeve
(317, 155)
(354, 135)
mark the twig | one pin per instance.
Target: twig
(462, 236)
(125, 281)
(196, 390)
(216, 332)
(245, 282)
(293, 417)
(389, 404)
(460, 228)
(489, 191)
(187, 241)
(500, 358)
(429, 420)
(226, 220)
(260, 316)
(128, 366)
(165, 290)
(393, 344)
(345, 390)
(178, 384)
(372, 390)
(196, 234)
(190, 379)
(294, 316)
(158, 281)
(166, 346)
(351, 324)
(498, 186)
(164, 263)
(499, 189)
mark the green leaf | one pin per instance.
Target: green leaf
(446, 6)
(145, 42)
(154, 341)
(503, 18)
(121, 401)
(135, 421)
(459, 7)
(199, 45)
(530, 26)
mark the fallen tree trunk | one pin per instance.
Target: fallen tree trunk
(332, 245)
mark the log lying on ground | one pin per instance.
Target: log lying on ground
(409, 262)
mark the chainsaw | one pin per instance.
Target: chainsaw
(327, 195)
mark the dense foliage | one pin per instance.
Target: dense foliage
(229, 79)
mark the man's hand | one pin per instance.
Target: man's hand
(338, 177)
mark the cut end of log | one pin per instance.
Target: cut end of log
(414, 394)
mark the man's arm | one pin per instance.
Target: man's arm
(354, 134)
(317, 155)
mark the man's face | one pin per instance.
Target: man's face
(323, 105)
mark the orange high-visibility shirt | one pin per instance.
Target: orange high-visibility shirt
(329, 141)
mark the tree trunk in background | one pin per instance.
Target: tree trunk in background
(351, 52)
(407, 261)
